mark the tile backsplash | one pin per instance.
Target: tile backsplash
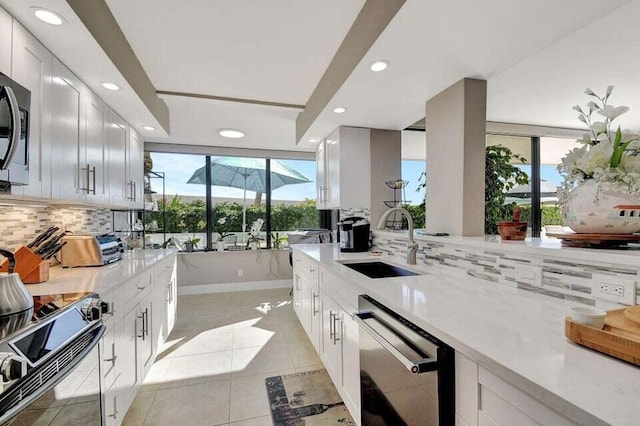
(547, 275)
(19, 224)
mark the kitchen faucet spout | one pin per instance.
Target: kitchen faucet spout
(413, 246)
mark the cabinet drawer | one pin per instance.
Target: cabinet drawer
(134, 288)
(164, 269)
(113, 298)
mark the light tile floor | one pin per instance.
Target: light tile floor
(212, 368)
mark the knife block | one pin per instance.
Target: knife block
(31, 268)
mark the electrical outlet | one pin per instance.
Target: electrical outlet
(529, 274)
(615, 289)
(240, 272)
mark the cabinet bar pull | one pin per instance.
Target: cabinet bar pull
(335, 329)
(142, 335)
(331, 324)
(315, 311)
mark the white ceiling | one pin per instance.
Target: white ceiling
(274, 50)
(432, 44)
(77, 49)
(538, 56)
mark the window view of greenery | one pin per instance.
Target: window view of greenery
(238, 199)
(293, 204)
(413, 172)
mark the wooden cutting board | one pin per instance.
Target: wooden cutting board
(571, 239)
(633, 313)
(620, 337)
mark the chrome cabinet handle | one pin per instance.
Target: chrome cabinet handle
(146, 322)
(315, 310)
(135, 191)
(113, 358)
(142, 335)
(422, 366)
(115, 409)
(331, 325)
(336, 318)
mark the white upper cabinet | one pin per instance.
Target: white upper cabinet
(68, 134)
(343, 169)
(92, 168)
(135, 170)
(32, 66)
(6, 23)
(117, 141)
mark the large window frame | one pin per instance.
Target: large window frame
(211, 152)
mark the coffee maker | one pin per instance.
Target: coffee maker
(354, 234)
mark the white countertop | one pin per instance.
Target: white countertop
(99, 279)
(518, 335)
(540, 246)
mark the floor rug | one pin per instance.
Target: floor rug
(308, 398)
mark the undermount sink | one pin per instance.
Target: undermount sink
(378, 269)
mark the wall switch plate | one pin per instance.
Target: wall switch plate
(615, 289)
(240, 272)
(529, 274)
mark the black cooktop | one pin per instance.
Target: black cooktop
(43, 306)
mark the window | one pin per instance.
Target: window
(181, 214)
(413, 168)
(238, 188)
(293, 192)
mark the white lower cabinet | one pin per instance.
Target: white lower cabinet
(135, 329)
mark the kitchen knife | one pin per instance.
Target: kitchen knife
(54, 250)
(43, 236)
(50, 243)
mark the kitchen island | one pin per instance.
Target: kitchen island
(515, 337)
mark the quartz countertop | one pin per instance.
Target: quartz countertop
(101, 278)
(515, 334)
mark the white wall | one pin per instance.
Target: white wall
(209, 272)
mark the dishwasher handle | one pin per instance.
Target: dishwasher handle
(423, 365)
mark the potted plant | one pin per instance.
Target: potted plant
(254, 235)
(191, 243)
(221, 229)
(278, 240)
(601, 188)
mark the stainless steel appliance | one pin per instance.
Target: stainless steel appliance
(91, 250)
(407, 376)
(49, 364)
(354, 234)
(15, 102)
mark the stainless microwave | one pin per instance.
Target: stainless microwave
(15, 101)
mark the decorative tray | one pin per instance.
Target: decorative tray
(572, 239)
(620, 337)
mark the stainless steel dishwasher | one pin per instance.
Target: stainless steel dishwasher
(407, 376)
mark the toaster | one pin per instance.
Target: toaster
(91, 250)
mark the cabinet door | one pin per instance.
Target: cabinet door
(297, 293)
(127, 363)
(6, 28)
(332, 153)
(32, 69)
(321, 176)
(305, 306)
(331, 343)
(110, 413)
(135, 169)
(350, 362)
(68, 134)
(316, 313)
(117, 141)
(92, 168)
(171, 301)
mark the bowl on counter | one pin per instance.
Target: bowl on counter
(512, 231)
(589, 316)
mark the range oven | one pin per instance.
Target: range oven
(15, 102)
(49, 362)
(407, 376)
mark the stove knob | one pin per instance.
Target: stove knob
(92, 312)
(12, 366)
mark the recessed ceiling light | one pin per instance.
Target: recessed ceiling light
(110, 86)
(314, 140)
(378, 66)
(48, 16)
(149, 128)
(231, 133)
(339, 110)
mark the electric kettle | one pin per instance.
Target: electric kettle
(14, 296)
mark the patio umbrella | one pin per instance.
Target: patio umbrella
(547, 189)
(247, 174)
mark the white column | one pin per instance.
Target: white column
(455, 142)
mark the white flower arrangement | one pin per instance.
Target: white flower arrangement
(604, 156)
(254, 233)
(221, 228)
